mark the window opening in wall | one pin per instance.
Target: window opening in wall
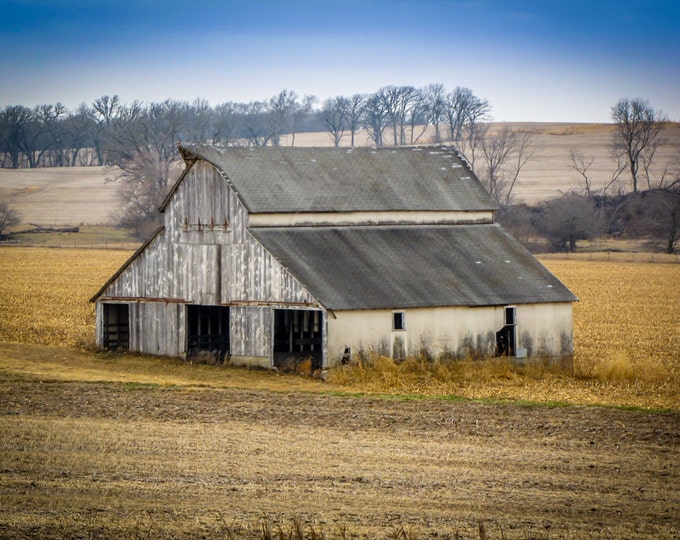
(298, 335)
(505, 337)
(510, 315)
(116, 335)
(208, 332)
(398, 320)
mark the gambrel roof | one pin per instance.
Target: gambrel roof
(412, 266)
(293, 179)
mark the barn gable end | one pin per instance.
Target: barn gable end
(203, 256)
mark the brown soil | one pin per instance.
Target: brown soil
(127, 460)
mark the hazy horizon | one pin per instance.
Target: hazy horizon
(535, 61)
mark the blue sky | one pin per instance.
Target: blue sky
(534, 60)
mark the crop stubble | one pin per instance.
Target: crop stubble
(116, 460)
(627, 333)
(130, 460)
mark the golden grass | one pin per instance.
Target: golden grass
(44, 293)
(627, 339)
(627, 322)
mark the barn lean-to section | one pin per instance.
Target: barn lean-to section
(272, 253)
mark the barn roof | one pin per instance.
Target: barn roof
(294, 179)
(411, 266)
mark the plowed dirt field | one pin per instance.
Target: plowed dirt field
(112, 460)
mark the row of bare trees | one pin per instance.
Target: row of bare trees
(53, 136)
(139, 139)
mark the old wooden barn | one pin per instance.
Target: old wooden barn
(268, 254)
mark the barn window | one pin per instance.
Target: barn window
(398, 320)
(116, 334)
(298, 334)
(505, 337)
(510, 315)
(208, 333)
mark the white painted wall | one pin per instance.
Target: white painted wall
(541, 328)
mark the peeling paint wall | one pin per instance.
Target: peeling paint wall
(455, 331)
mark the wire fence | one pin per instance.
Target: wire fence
(615, 256)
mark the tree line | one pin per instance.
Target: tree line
(50, 135)
(139, 140)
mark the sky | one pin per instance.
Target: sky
(533, 60)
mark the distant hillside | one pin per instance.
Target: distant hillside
(80, 195)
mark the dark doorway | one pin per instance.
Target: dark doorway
(298, 335)
(116, 335)
(505, 337)
(208, 332)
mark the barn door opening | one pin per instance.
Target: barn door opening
(116, 335)
(298, 335)
(505, 337)
(208, 332)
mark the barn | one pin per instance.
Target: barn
(272, 254)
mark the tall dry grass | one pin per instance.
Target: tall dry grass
(627, 335)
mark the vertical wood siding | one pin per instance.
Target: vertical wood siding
(205, 255)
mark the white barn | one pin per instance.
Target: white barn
(270, 254)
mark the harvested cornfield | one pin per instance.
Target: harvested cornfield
(626, 332)
(127, 446)
(627, 320)
(44, 293)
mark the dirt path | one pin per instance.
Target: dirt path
(130, 460)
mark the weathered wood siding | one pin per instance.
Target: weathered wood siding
(205, 255)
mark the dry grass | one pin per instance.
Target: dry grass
(127, 446)
(89, 460)
(44, 293)
(626, 334)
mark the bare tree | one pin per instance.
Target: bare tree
(435, 101)
(418, 117)
(8, 217)
(581, 163)
(638, 126)
(523, 151)
(333, 114)
(79, 136)
(141, 144)
(298, 113)
(281, 108)
(399, 103)
(104, 111)
(375, 117)
(50, 119)
(504, 155)
(464, 108)
(14, 121)
(355, 114)
(225, 124)
(254, 125)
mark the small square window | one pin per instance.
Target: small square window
(398, 320)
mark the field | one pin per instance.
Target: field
(81, 195)
(106, 446)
